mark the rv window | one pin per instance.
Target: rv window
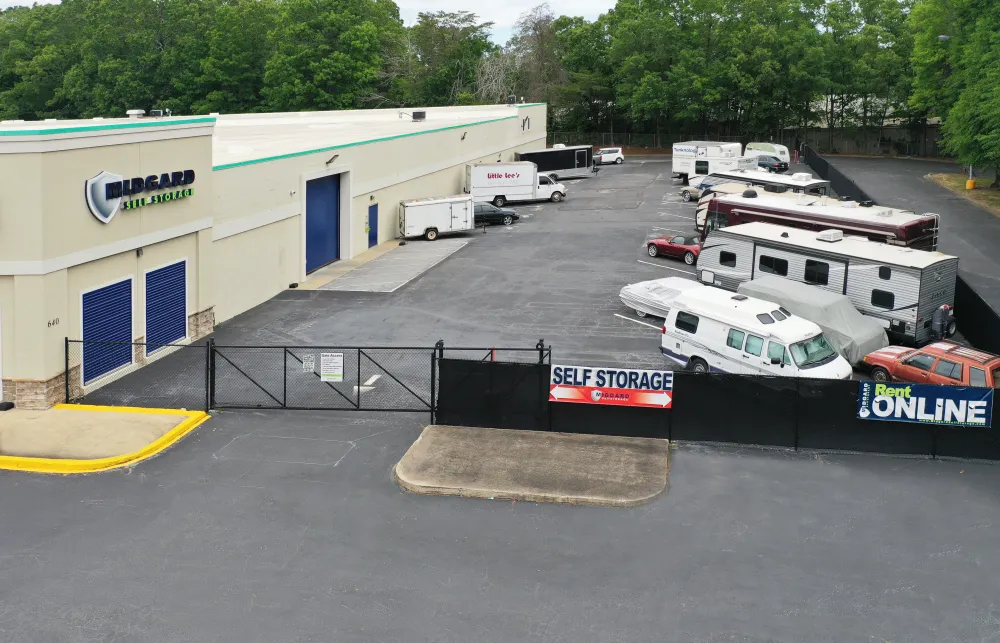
(884, 272)
(883, 299)
(735, 339)
(782, 309)
(777, 314)
(777, 351)
(817, 272)
(922, 361)
(773, 265)
(727, 258)
(686, 322)
(701, 167)
(764, 318)
(977, 377)
(948, 369)
(754, 345)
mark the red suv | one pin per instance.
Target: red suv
(937, 363)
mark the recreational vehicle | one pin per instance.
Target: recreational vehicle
(877, 223)
(900, 287)
(694, 158)
(768, 149)
(709, 329)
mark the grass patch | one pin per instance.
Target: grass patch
(988, 198)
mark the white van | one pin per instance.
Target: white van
(694, 158)
(501, 183)
(768, 149)
(713, 330)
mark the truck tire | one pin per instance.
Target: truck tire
(556, 197)
(499, 201)
(431, 234)
(697, 365)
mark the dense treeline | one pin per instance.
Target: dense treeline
(743, 68)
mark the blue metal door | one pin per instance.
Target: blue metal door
(107, 317)
(322, 221)
(166, 305)
(373, 225)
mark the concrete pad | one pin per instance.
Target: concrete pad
(500, 464)
(80, 435)
(395, 269)
(338, 269)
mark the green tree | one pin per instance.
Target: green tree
(448, 47)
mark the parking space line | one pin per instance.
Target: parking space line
(679, 216)
(668, 229)
(637, 321)
(665, 267)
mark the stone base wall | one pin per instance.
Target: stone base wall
(201, 324)
(39, 395)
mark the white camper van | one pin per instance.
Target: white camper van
(714, 330)
(501, 183)
(693, 158)
(768, 149)
(898, 286)
(432, 217)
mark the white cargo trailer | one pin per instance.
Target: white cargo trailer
(695, 158)
(440, 215)
(501, 183)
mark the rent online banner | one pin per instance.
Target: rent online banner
(925, 403)
(611, 386)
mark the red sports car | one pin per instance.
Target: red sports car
(686, 248)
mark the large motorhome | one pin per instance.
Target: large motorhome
(561, 161)
(693, 158)
(901, 287)
(876, 223)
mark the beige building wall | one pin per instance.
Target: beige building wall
(21, 208)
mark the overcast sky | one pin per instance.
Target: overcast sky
(502, 14)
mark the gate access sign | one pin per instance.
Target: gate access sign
(926, 403)
(611, 386)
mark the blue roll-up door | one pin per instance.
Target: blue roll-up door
(322, 221)
(166, 305)
(107, 317)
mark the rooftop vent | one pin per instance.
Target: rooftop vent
(136, 114)
(749, 194)
(784, 235)
(830, 236)
(867, 203)
(558, 146)
(740, 297)
(802, 176)
(419, 117)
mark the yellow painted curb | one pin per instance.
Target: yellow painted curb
(68, 466)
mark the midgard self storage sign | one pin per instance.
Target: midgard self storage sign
(953, 405)
(616, 386)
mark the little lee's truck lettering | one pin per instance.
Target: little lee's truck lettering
(503, 175)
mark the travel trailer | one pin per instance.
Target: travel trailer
(694, 158)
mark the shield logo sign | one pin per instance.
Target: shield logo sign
(103, 208)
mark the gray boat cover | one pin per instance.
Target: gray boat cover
(655, 297)
(850, 332)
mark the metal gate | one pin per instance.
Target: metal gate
(321, 378)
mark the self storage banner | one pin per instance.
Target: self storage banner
(926, 403)
(612, 386)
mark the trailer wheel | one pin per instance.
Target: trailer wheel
(556, 197)
(951, 328)
(431, 234)
(499, 201)
(698, 365)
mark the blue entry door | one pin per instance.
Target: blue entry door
(373, 225)
(322, 221)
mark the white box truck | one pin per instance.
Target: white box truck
(501, 183)
(430, 217)
(695, 158)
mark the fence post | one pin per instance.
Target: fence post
(211, 373)
(798, 397)
(208, 376)
(66, 372)
(436, 354)
(284, 378)
(540, 347)
(359, 379)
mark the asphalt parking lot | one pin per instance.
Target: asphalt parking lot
(286, 526)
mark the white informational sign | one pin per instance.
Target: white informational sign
(308, 363)
(331, 367)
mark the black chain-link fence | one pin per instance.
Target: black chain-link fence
(136, 374)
